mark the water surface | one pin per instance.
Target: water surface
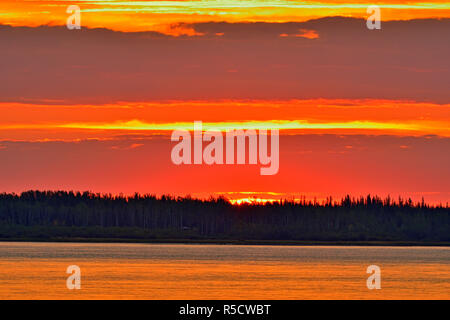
(177, 271)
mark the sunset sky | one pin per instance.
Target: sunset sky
(359, 111)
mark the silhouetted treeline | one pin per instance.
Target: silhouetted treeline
(53, 214)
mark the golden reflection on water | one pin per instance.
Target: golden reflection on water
(115, 271)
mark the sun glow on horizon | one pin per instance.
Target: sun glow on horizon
(242, 201)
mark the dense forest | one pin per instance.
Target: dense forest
(72, 215)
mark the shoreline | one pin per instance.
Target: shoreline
(236, 242)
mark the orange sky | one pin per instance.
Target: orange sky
(163, 15)
(33, 122)
(359, 111)
(78, 147)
